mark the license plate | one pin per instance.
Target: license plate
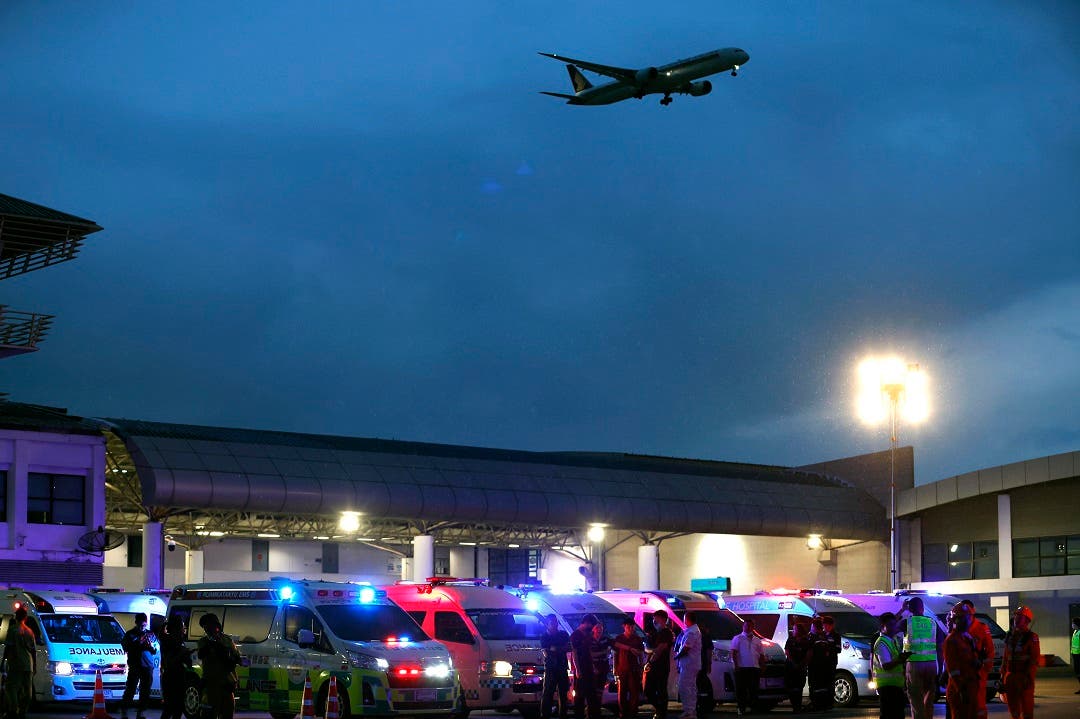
(772, 682)
(426, 695)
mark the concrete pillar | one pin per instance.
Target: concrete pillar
(648, 567)
(407, 568)
(481, 562)
(1005, 558)
(423, 551)
(462, 561)
(153, 559)
(193, 566)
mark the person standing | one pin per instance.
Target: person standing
(830, 635)
(219, 657)
(1074, 649)
(629, 650)
(821, 667)
(688, 661)
(20, 652)
(797, 651)
(984, 649)
(601, 661)
(175, 664)
(748, 655)
(887, 664)
(920, 639)
(658, 666)
(961, 654)
(138, 642)
(581, 644)
(1019, 664)
(556, 645)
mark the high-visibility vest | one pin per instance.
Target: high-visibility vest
(919, 639)
(887, 677)
(1075, 648)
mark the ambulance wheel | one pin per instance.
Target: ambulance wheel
(845, 690)
(320, 702)
(193, 699)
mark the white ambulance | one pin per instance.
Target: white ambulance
(493, 637)
(570, 607)
(123, 606)
(937, 606)
(721, 625)
(776, 613)
(292, 630)
(74, 642)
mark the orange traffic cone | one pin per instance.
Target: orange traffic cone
(98, 711)
(307, 708)
(333, 709)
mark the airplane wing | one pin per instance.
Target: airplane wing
(619, 73)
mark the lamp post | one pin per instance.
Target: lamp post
(891, 388)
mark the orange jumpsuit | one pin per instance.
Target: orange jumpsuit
(962, 664)
(984, 645)
(1018, 667)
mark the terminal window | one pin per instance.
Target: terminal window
(942, 562)
(1046, 556)
(55, 498)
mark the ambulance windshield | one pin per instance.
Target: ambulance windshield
(371, 623)
(720, 624)
(82, 629)
(506, 624)
(859, 625)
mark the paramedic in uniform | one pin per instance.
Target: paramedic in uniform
(887, 662)
(220, 657)
(920, 638)
(984, 646)
(138, 642)
(1019, 664)
(688, 660)
(963, 665)
(20, 652)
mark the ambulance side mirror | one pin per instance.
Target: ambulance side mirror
(305, 638)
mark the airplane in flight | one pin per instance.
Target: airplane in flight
(677, 77)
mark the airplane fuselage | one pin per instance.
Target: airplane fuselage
(667, 79)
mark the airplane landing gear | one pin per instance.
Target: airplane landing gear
(735, 71)
(666, 100)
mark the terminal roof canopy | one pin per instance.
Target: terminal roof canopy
(281, 472)
(33, 236)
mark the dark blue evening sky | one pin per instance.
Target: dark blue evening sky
(361, 218)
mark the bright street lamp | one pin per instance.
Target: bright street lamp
(349, 522)
(890, 388)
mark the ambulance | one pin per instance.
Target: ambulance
(292, 630)
(123, 606)
(74, 643)
(570, 606)
(776, 613)
(721, 625)
(493, 638)
(937, 606)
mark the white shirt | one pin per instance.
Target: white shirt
(746, 651)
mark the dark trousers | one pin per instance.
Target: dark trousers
(794, 683)
(556, 684)
(172, 694)
(18, 691)
(892, 702)
(221, 699)
(656, 681)
(747, 681)
(586, 697)
(138, 678)
(822, 686)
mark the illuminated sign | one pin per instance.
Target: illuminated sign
(711, 584)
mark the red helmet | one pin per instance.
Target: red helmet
(1025, 611)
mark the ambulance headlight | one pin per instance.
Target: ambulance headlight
(366, 661)
(437, 671)
(61, 669)
(502, 668)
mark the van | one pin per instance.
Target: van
(721, 625)
(74, 643)
(292, 630)
(493, 638)
(937, 606)
(775, 615)
(570, 607)
(123, 606)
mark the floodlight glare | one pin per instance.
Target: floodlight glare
(349, 522)
(595, 534)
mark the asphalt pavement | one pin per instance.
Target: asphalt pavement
(1054, 699)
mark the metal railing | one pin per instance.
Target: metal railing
(22, 329)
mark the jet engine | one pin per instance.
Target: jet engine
(646, 75)
(697, 89)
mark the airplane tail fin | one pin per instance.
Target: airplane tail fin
(579, 81)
